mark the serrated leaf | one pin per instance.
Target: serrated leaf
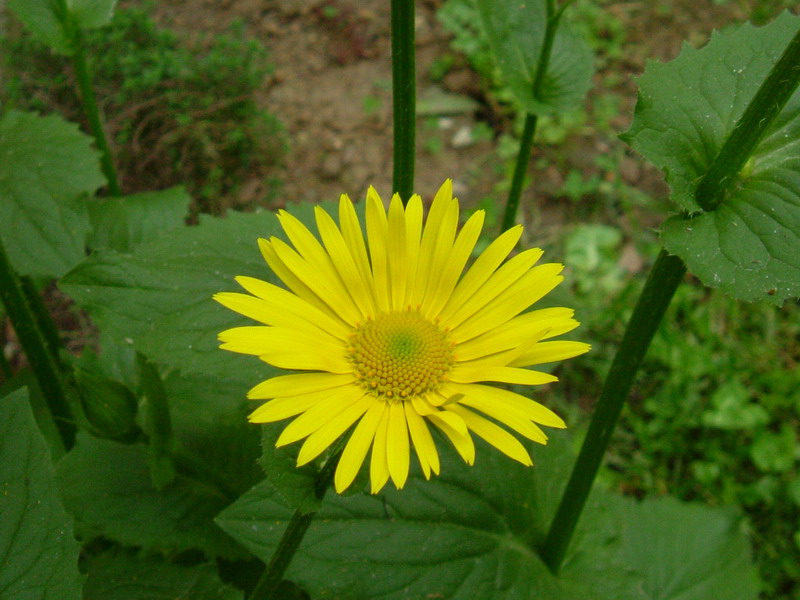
(91, 13)
(516, 34)
(106, 486)
(750, 245)
(466, 535)
(46, 22)
(123, 223)
(121, 576)
(158, 299)
(38, 553)
(46, 165)
(687, 551)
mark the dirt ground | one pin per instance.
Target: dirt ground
(332, 90)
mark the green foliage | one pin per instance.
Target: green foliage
(43, 219)
(516, 33)
(37, 550)
(178, 113)
(750, 245)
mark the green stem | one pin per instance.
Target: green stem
(664, 278)
(33, 342)
(43, 318)
(403, 97)
(526, 143)
(523, 156)
(88, 98)
(771, 97)
(295, 531)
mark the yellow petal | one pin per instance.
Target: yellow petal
(288, 406)
(461, 374)
(430, 234)
(545, 352)
(360, 290)
(495, 435)
(515, 403)
(506, 276)
(422, 440)
(438, 295)
(509, 418)
(357, 446)
(397, 445)
(440, 258)
(298, 384)
(376, 233)
(336, 402)
(397, 247)
(462, 442)
(413, 233)
(529, 288)
(378, 467)
(330, 431)
(354, 238)
(483, 267)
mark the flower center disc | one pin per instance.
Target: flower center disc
(400, 354)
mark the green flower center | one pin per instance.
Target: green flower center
(400, 354)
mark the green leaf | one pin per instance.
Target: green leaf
(516, 34)
(121, 224)
(294, 484)
(118, 576)
(44, 23)
(687, 551)
(109, 406)
(38, 553)
(46, 166)
(91, 13)
(466, 535)
(107, 487)
(750, 245)
(158, 299)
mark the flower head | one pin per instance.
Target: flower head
(394, 337)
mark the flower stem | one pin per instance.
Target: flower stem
(33, 342)
(528, 132)
(295, 531)
(403, 97)
(664, 278)
(771, 97)
(87, 96)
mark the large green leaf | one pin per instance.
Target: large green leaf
(466, 535)
(750, 245)
(158, 299)
(119, 576)
(106, 486)
(687, 551)
(516, 35)
(123, 223)
(46, 166)
(38, 554)
(47, 24)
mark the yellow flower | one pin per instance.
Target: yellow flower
(395, 337)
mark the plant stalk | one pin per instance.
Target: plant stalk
(529, 130)
(295, 531)
(664, 278)
(403, 98)
(33, 341)
(766, 105)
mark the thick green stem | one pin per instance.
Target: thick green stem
(295, 531)
(403, 97)
(33, 342)
(43, 318)
(664, 278)
(87, 96)
(521, 167)
(526, 143)
(771, 97)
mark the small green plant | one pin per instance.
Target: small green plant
(175, 113)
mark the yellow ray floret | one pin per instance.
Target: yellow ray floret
(390, 332)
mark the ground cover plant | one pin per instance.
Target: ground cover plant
(130, 468)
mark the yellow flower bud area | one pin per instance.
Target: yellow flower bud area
(398, 355)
